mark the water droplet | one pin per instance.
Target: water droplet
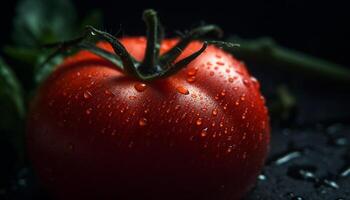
(191, 79)
(218, 56)
(221, 124)
(88, 111)
(140, 87)
(230, 80)
(287, 157)
(223, 93)
(246, 82)
(204, 132)
(214, 112)
(262, 177)
(220, 63)
(211, 73)
(143, 122)
(199, 121)
(227, 71)
(255, 82)
(132, 97)
(182, 90)
(78, 73)
(229, 149)
(107, 92)
(192, 72)
(87, 94)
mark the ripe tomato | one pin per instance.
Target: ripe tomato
(96, 133)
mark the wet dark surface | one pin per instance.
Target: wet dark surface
(307, 163)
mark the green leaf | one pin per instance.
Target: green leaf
(23, 54)
(44, 69)
(11, 98)
(41, 21)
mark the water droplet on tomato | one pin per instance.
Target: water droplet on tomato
(255, 82)
(87, 94)
(218, 56)
(204, 132)
(88, 111)
(107, 92)
(143, 122)
(220, 63)
(140, 87)
(246, 82)
(223, 93)
(132, 97)
(199, 121)
(192, 71)
(182, 90)
(221, 124)
(177, 107)
(211, 73)
(191, 79)
(214, 112)
(78, 73)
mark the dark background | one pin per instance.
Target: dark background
(319, 28)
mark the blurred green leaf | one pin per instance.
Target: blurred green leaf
(45, 68)
(41, 21)
(23, 54)
(11, 99)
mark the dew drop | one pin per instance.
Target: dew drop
(223, 93)
(211, 73)
(177, 107)
(199, 122)
(246, 82)
(132, 97)
(204, 132)
(192, 72)
(140, 87)
(78, 73)
(107, 92)
(182, 90)
(88, 111)
(143, 122)
(230, 80)
(215, 112)
(87, 94)
(255, 82)
(191, 79)
(220, 63)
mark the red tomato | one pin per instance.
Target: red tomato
(96, 133)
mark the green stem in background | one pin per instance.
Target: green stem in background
(266, 51)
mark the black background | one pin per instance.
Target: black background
(319, 28)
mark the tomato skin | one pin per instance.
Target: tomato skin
(96, 133)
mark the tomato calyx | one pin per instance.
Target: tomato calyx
(153, 66)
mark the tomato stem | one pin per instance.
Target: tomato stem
(153, 66)
(266, 51)
(153, 41)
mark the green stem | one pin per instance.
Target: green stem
(169, 57)
(153, 41)
(128, 62)
(266, 51)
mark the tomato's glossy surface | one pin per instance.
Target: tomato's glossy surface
(96, 133)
